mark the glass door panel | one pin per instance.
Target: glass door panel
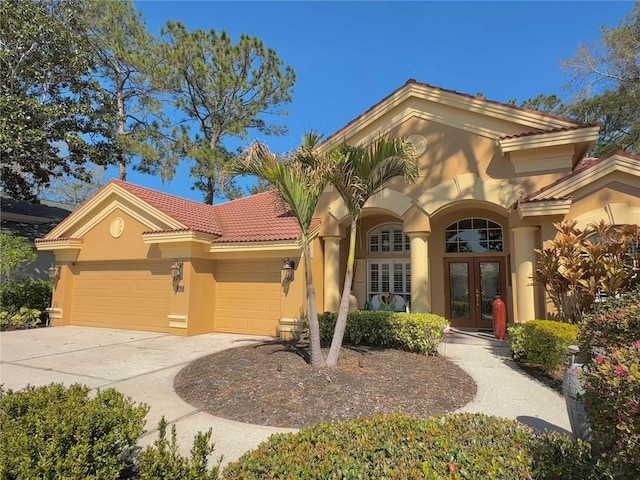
(490, 285)
(459, 288)
(471, 286)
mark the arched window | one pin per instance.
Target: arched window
(389, 238)
(473, 235)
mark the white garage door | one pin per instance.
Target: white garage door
(131, 296)
(248, 297)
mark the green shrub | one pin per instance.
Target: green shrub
(612, 401)
(470, 446)
(614, 324)
(556, 456)
(542, 343)
(413, 332)
(20, 320)
(25, 293)
(163, 461)
(16, 251)
(60, 432)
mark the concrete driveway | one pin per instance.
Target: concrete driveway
(141, 365)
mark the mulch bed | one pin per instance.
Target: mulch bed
(272, 384)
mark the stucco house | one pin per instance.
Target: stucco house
(494, 179)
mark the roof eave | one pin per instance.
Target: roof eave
(587, 135)
(544, 208)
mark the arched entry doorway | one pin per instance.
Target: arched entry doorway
(474, 271)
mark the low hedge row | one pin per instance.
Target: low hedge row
(412, 332)
(469, 446)
(54, 431)
(60, 432)
(23, 303)
(543, 343)
(16, 294)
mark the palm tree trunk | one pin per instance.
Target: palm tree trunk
(343, 310)
(317, 360)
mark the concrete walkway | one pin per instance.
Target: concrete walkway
(143, 365)
(504, 390)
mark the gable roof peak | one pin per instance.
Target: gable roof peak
(531, 120)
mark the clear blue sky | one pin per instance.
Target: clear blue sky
(349, 55)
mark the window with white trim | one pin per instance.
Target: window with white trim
(387, 280)
(477, 235)
(389, 238)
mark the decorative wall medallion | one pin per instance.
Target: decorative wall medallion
(117, 227)
(418, 142)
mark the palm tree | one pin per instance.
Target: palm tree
(358, 173)
(298, 184)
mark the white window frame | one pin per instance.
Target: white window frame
(391, 263)
(376, 240)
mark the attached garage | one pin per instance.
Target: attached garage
(122, 295)
(134, 258)
(248, 297)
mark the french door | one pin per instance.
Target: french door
(471, 284)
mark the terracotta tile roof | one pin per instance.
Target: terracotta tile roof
(455, 92)
(193, 215)
(584, 164)
(258, 218)
(552, 130)
(59, 239)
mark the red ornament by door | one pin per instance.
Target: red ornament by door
(499, 317)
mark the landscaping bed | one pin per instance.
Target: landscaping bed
(272, 384)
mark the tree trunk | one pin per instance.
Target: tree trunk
(317, 360)
(343, 311)
(122, 166)
(208, 198)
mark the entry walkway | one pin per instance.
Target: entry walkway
(504, 390)
(143, 365)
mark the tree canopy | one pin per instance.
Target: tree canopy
(126, 58)
(223, 89)
(606, 80)
(55, 117)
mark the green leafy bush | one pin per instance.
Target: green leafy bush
(542, 343)
(162, 461)
(413, 332)
(20, 320)
(25, 293)
(60, 432)
(614, 324)
(16, 251)
(612, 401)
(470, 446)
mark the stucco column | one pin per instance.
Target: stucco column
(420, 281)
(524, 243)
(331, 273)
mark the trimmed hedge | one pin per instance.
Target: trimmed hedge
(470, 446)
(28, 293)
(412, 332)
(23, 303)
(543, 343)
(59, 432)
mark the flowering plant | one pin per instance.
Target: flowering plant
(614, 324)
(612, 401)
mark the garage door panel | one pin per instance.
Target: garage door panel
(248, 297)
(122, 296)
